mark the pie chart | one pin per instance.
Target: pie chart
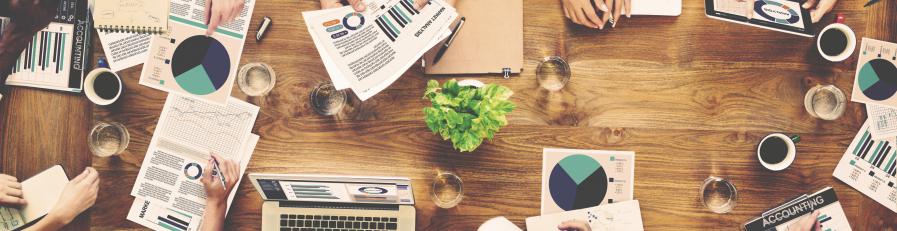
(878, 79)
(200, 65)
(577, 182)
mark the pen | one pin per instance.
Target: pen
(871, 2)
(217, 171)
(448, 42)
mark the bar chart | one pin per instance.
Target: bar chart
(869, 165)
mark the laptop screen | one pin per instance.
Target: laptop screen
(341, 192)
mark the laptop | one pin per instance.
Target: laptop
(315, 202)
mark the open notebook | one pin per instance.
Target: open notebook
(41, 192)
(132, 16)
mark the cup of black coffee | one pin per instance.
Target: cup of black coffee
(102, 86)
(836, 41)
(777, 151)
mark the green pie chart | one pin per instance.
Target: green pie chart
(877, 79)
(578, 181)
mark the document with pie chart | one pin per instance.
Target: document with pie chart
(577, 179)
(876, 74)
(188, 62)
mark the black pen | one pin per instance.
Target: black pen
(448, 42)
(217, 171)
(871, 2)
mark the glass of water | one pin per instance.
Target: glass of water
(553, 73)
(327, 100)
(256, 79)
(718, 194)
(448, 190)
(108, 139)
(825, 102)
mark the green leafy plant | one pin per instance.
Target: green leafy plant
(465, 114)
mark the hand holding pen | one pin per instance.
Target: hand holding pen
(219, 177)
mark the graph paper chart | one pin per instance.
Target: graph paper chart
(208, 127)
(884, 121)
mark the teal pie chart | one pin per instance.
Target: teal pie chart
(200, 65)
(877, 79)
(576, 182)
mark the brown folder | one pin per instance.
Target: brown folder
(491, 40)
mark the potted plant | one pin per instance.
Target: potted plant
(467, 112)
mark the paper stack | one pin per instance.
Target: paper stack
(168, 192)
(869, 164)
(368, 51)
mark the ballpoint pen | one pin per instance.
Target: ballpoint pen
(871, 2)
(448, 42)
(216, 171)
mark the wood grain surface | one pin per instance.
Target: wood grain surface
(690, 95)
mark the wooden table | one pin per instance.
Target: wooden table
(690, 95)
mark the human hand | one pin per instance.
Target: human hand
(807, 223)
(10, 191)
(583, 13)
(221, 11)
(574, 225)
(819, 8)
(215, 193)
(30, 16)
(619, 7)
(78, 195)
(329, 4)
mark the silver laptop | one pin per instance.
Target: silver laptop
(322, 202)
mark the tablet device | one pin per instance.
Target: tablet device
(779, 15)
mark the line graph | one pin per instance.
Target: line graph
(221, 129)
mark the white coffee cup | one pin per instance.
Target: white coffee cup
(91, 92)
(850, 46)
(789, 157)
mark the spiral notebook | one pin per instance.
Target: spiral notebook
(131, 16)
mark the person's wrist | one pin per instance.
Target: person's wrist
(56, 220)
(214, 204)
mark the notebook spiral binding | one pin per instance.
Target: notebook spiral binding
(130, 29)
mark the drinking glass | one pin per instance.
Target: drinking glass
(448, 190)
(327, 100)
(553, 73)
(108, 139)
(256, 79)
(718, 194)
(825, 102)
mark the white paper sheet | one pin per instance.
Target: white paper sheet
(368, 51)
(617, 216)
(883, 120)
(161, 217)
(188, 130)
(188, 62)
(124, 50)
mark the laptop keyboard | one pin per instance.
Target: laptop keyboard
(297, 222)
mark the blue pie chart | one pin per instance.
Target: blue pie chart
(878, 79)
(200, 65)
(576, 182)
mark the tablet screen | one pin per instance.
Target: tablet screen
(777, 12)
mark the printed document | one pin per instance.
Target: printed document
(124, 50)
(188, 62)
(166, 218)
(370, 50)
(188, 130)
(884, 121)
